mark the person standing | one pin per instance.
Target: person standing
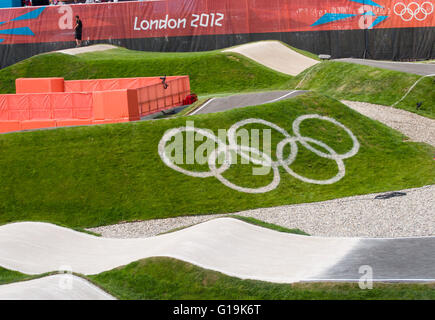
(78, 31)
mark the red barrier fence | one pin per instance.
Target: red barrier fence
(40, 103)
(41, 110)
(375, 29)
(153, 98)
(174, 18)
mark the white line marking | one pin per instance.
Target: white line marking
(277, 99)
(274, 100)
(375, 280)
(412, 87)
(195, 111)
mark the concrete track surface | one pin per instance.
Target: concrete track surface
(423, 69)
(275, 55)
(55, 287)
(244, 100)
(87, 49)
(226, 245)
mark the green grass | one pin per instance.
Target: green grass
(209, 72)
(364, 83)
(303, 52)
(215, 72)
(269, 225)
(162, 278)
(98, 175)
(166, 278)
(8, 276)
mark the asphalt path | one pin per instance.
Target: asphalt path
(390, 260)
(54, 287)
(423, 69)
(244, 100)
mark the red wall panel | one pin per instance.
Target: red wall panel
(170, 18)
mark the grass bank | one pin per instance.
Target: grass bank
(270, 226)
(209, 72)
(9, 276)
(166, 278)
(161, 278)
(369, 84)
(98, 175)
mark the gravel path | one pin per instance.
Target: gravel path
(416, 127)
(359, 216)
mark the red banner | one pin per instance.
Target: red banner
(171, 18)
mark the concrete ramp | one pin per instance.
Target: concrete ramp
(87, 49)
(55, 287)
(275, 55)
(226, 245)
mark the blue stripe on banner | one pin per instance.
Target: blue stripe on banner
(24, 31)
(368, 13)
(378, 20)
(331, 17)
(30, 15)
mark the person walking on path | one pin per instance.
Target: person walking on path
(78, 31)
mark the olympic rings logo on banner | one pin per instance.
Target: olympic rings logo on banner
(245, 151)
(413, 10)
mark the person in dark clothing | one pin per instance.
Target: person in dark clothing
(78, 31)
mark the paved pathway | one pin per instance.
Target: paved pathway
(55, 287)
(410, 67)
(226, 245)
(244, 100)
(275, 55)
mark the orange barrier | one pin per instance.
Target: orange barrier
(53, 102)
(45, 106)
(110, 84)
(115, 105)
(43, 110)
(39, 85)
(154, 98)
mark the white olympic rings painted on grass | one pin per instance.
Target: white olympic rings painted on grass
(266, 160)
(415, 10)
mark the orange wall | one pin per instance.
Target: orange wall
(53, 102)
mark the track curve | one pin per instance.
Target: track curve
(226, 245)
(221, 104)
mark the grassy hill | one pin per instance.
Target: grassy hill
(364, 83)
(210, 72)
(215, 72)
(167, 279)
(97, 175)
